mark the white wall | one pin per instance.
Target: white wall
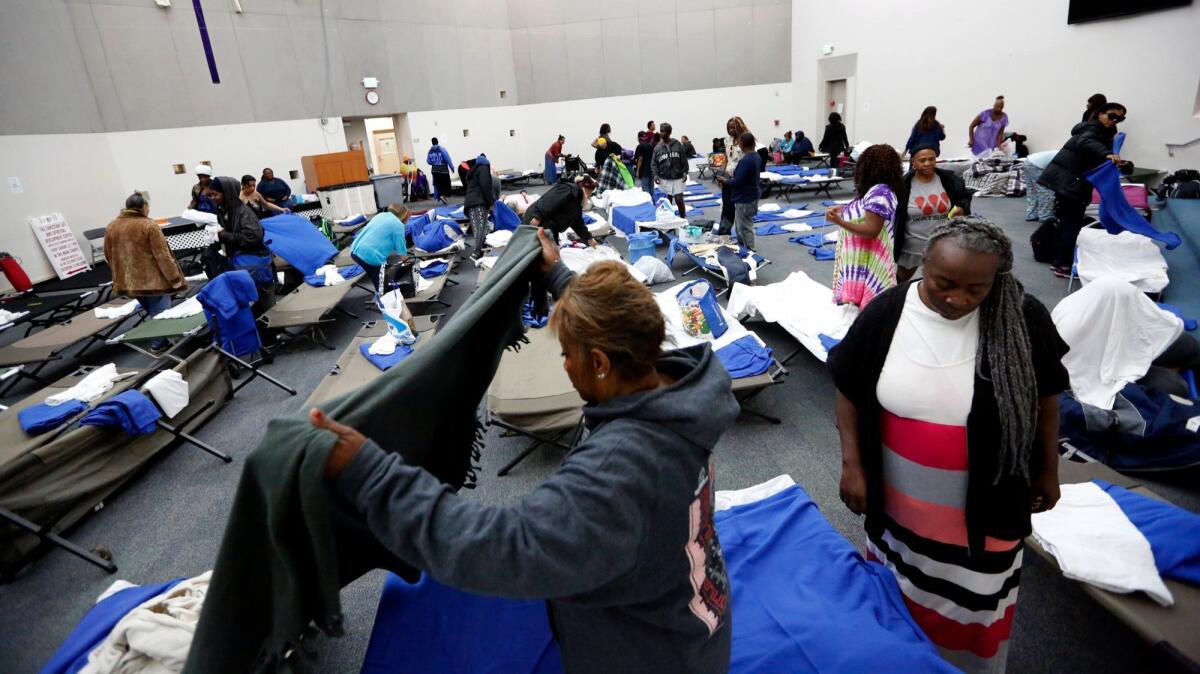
(86, 177)
(699, 114)
(85, 189)
(1045, 68)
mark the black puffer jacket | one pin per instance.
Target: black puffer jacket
(1089, 147)
(955, 188)
(241, 232)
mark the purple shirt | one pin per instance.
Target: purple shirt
(985, 133)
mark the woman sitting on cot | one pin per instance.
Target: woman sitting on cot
(620, 539)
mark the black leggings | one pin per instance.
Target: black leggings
(726, 225)
(1070, 221)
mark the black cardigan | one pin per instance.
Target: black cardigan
(998, 510)
(560, 208)
(955, 188)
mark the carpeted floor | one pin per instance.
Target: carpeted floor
(168, 521)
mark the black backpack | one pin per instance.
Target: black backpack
(1042, 240)
(399, 272)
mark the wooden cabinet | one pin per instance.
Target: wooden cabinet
(335, 168)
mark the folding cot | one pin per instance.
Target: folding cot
(1169, 630)
(698, 255)
(352, 370)
(344, 230)
(309, 307)
(180, 331)
(1127, 256)
(531, 394)
(802, 307)
(797, 184)
(51, 481)
(31, 354)
(97, 278)
(36, 310)
(511, 178)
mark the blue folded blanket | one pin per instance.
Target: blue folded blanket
(589, 219)
(348, 272)
(39, 418)
(131, 411)
(770, 229)
(745, 357)
(434, 270)
(810, 240)
(385, 362)
(823, 254)
(1173, 533)
(350, 222)
(701, 204)
(293, 238)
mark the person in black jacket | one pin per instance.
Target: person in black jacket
(242, 237)
(947, 411)
(930, 196)
(481, 191)
(835, 141)
(1091, 144)
(561, 208)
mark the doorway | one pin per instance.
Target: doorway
(834, 92)
(835, 97)
(387, 154)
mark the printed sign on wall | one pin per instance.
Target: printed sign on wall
(60, 244)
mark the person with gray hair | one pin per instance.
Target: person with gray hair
(947, 410)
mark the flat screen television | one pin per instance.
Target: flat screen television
(1082, 11)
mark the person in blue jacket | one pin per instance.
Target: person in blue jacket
(439, 165)
(744, 190)
(382, 236)
(620, 539)
(927, 131)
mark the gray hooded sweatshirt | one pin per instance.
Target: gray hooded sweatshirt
(619, 540)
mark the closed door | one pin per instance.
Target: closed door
(837, 98)
(386, 152)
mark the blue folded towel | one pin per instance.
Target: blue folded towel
(702, 204)
(132, 411)
(770, 229)
(810, 240)
(823, 254)
(745, 357)
(828, 342)
(39, 418)
(384, 362)
(434, 270)
(348, 272)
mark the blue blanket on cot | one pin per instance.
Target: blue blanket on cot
(625, 218)
(385, 362)
(701, 204)
(822, 254)
(452, 212)
(294, 239)
(770, 229)
(828, 342)
(72, 655)
(810, 240)
(1173, 533)
(1116, 214)
(352, 221)
(131, 411)
(347, 272)
(434, 270)
(804, 601)
(694, 189)
(779, 217)
(745, 357)
(430, 235)
(794, 170)
(39, 418)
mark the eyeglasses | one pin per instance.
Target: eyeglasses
(1114, 117)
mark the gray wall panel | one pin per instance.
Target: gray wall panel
(121, 65)
(622, 58)
(585, 59)
(659, 52)
(733, 71)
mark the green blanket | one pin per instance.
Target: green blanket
(289, 547)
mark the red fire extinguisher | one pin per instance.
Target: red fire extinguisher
(16, 276)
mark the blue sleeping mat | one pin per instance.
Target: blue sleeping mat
(804, 600)
(294, 239)
(625, 218)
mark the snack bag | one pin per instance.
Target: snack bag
(700, 312)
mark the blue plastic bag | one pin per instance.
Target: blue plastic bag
(701, 314)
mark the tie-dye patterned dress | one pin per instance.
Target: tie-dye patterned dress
(864, 266)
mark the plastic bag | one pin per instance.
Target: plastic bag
(701, 314)
(398, 317)
(656, 270)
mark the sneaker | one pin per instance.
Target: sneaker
(1061, 272)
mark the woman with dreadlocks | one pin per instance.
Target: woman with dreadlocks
(947, 411)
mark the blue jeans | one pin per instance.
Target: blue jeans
(154, 305)
(646, 182)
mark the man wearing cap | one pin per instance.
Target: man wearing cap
(200, 202)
